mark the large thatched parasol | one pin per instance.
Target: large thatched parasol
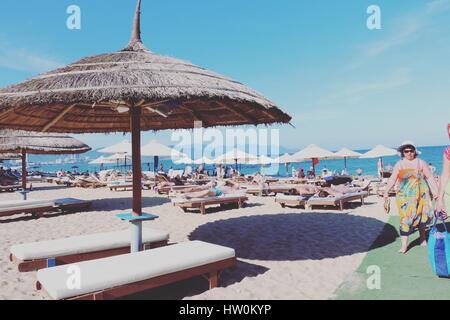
(132, 90)
(22, 142)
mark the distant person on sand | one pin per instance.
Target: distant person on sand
(443, 203)
(311, 174)
(432, 168)
(380, 168)
(301, 173)
(414, 201)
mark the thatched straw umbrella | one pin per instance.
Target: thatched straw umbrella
(22, 142)
(132, 90)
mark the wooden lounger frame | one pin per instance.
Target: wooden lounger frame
(10, 188)
(291, 202)
(332, 202)
(210, 271)
(166, 190)
(147, 185)
(271, 190)
(34, 265)
(240, 201)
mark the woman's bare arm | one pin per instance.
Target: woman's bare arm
(443, 183)
(393, 179)
(430, 179)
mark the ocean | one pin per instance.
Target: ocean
(369, 166)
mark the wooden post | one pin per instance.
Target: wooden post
(24, 170)
(213, 280)
(136, 160)
(136, 226)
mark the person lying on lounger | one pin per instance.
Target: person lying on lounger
(214, 190)
(337, 191)
(306, 189)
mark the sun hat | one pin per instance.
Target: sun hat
(407, 144)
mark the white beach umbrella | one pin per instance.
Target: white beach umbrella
(346, 153)
(103, 160)
(312, 152)
(236, 156)
(121, 147)
(262, 160)
(119, 156)
(203, 160)
(379, 151)
(184, 160)
(156, 149)
(285, 158)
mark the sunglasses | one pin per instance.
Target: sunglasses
(408, 151)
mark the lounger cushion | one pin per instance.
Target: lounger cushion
(284, 197)
(97, 275)
(337, 198)
(24, 204)
(200, 200)
(82, 244)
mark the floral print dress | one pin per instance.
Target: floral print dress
(413, 201)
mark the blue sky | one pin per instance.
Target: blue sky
(343, 84)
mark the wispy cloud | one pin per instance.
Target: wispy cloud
(438, 6)
(21, 59)
(405, 29)
(347, 93)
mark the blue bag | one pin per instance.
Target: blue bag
(439, 250)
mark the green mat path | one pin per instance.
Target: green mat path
(406, 277)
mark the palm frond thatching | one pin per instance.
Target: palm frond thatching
(12, 141)
(173, 94)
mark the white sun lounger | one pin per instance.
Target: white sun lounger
(43, 254)
(122, 275)
(337, 200)
(39, 207)
(201, 203)
(9, 208)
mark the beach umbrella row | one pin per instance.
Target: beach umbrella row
(132, 90)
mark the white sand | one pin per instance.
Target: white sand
(283, 253)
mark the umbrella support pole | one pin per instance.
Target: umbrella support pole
(136, 216)
(24, 171)
(136, 235)
(135, 124)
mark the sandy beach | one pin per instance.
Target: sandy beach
(285, 253)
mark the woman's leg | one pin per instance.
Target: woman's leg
(423, 236)
(200, 194)
(404, 247)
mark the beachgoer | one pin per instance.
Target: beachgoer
(215, 190)
(301, 173)
(443, 203)
(170, 173)
(432, 168)
(380, 168)
(359, 172)
(413, 199)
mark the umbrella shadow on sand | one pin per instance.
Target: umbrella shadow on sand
(293, 237)
(108, 204)
(199, 285)
(113, 204)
